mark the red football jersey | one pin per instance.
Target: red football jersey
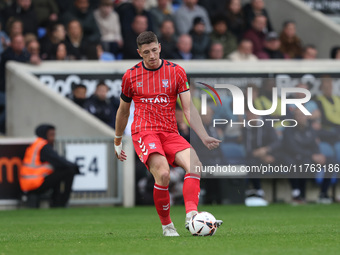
(154, 92)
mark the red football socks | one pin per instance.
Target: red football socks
(191, 192)
(161, 199)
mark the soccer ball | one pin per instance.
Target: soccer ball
(202, 224)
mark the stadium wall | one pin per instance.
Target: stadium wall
(313, 27)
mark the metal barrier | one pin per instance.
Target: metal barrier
(92, 187)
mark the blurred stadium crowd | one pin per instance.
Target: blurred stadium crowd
(106, 30)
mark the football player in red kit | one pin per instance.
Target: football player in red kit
(153, 85)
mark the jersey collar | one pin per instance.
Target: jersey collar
(153, 69)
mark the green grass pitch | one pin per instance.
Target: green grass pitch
(277, 229)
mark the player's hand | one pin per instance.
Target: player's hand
(211, 142)
(118, 149)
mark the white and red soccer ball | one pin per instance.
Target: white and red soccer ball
(202, 224)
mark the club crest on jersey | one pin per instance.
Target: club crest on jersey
(165, 83)
(139, 84)
(152, 146)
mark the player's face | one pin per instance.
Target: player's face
(150, 54)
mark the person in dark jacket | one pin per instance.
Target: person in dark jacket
(127, 14)
(82, 12)
(139, 25)
(167, 39)
(256, 8)
(200, 39)
(16, 52)
(301, 144)
(76, 44)
(235, 18)
(78, 95)
(99, 105)
(24, 11)
(261, 144)
(46, 10)
(63, 170)
(271, 48)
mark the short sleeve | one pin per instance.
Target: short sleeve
(182, 81)
(126, 88)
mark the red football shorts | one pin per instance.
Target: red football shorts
(164, 143)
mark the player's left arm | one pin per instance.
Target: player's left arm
(194, 119)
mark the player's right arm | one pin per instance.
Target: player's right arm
(122, 118)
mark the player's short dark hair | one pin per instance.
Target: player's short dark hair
(146, 38)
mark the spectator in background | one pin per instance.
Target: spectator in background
(216, 51)
(167, 39)
(184, 47)
(309, 52)
(4, 40)
(82, 12)
(99, 105)
(243, 52)
(49, 170)
(265, 102)
(127, 14)
(96, 52)
(200, 39)
(109, 26)
(159, 14)
(271, 47)
(4, 4)
(256, 34)
(55, 34)
(75, 42)
(256, 8)
(220, 34)
(186, 14)
(23, 10)
(33, 48)
(311, 106)
(290, 43)
(300, 143)
(17, 52)
(209, 157)
(14, 27)
(335, 53)
(329, 105)
(59, 52)
(213, 7)
(262, 145)
(46, 10)
(235, 18)
(78, 95)
(139, 25)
